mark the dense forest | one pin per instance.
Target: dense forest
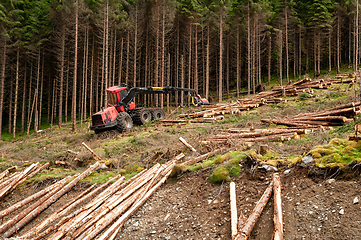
(57, 57)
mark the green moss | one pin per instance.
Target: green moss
(219, 174)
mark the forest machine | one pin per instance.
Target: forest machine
(121, 111)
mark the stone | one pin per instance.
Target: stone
(287, 171)
(268, 168)
(330, 181)
(307, 159)
(355, 200)
(342, 212)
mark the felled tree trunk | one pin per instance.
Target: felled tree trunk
(277, 218)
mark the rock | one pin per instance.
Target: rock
(287, 171)
(329, 181)
(268, 167)
(355, 200)
(307, 159)
(342, 212)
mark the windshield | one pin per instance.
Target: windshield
(112, 98)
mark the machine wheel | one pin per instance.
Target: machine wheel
(97, 131)
(157, 113)
(124, 122)
(142, 116)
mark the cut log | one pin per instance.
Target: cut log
(246, 230)
(354, 137)
(278, 218)
(49, 201)
(31, 198)
(65, 209)
(92, 152)
(241, 221)
(187, 144)
(233, 203)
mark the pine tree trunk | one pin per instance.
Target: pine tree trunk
(207, 64)
(281, 48)
(190, 58)
(16, 89)
(2, 85)
(121, 63)
(97, 107)
(338, 44)
(253, 55)
(86, 71)
(269, 58)
(11, 101)
(127, 62)
(177, 65)
(156, 66)
(249, 51)
(286, 47)
(195, 84)
(318, 54)
(114, 55)
(61, 80)
(91, 99)
(37, 94)
(161, 97)
(300, 53)
(182, 80)
(220, 80)
(168, 81)
(41, 92)
(238, 62)
(329, 52)
(227, 67)
(356, 36)
(24, 100)
(315, 58)
(146, 65)
(103, 66)
(75, 68)
(135, 47)
(106, 53)
(67, 90)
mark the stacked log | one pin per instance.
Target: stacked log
(11, 182)
(336, 116)
(109, 208)
(255, 135)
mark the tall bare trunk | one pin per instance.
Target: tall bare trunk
(106, 53)
(318, 54)
(300, 53)
(67, 89)
(286, 47)
(2, 85)
(356, 36)
(61, 80)
(127, 62)
(161, 97)
(24, 100)
(75, 68)
(168, 81)
(269, 58)
(249, 51)
(91, 99)
(41, 91)
(36, 114)
(103, 66)
(156, 67)
(120, 62)
(195, 58)
(227, 67)
(86, 71)
(207, 64)
(182, 79)
(329, 52)
(114, 55)
(220, 80)
(338, 44)
(238, 61)
(146, 64)
(135, 47)
(190, 57)
(16, 90)
(11, 100)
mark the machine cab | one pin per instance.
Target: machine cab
(116, 94)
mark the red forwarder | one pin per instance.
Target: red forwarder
(121, 112)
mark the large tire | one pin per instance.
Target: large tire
(124, 122)
(157, 113)
(142, 116)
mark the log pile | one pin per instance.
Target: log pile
(110, 206)
(9, 183)
(246, 135)
(245, 228)
(336, 116)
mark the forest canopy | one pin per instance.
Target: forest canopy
(57, 57)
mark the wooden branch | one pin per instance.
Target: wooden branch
(278, 219)
(246, 230)
(187, 144)
(92, 152)
(233, 203)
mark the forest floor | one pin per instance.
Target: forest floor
(189, 206)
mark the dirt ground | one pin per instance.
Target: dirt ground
(190, 207)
